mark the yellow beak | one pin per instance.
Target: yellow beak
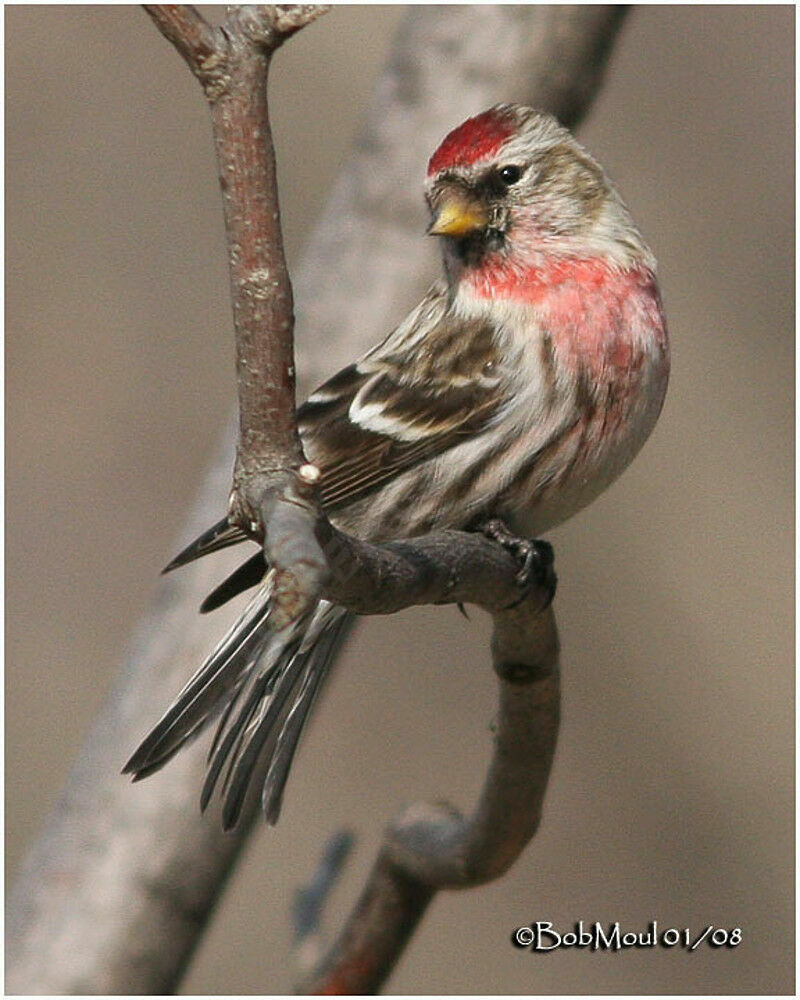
(458, 216)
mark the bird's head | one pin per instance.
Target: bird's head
(512, 183)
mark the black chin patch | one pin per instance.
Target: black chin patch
(471, 250)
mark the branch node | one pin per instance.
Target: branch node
(522, 673)
(204, 48)
(269, 25)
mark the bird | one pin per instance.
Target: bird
(522, 384)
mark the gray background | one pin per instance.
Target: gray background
(671, 796)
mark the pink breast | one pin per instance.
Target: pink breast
(598, 317)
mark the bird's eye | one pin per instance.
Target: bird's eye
(509, 175)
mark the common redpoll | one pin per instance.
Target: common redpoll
(518, 389)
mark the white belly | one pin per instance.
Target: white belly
(591, 458)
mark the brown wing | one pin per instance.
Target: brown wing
(408, 401)
(433, 383)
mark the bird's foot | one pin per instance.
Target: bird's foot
(534, 555)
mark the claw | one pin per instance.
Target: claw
(541, 569)
(534, 555)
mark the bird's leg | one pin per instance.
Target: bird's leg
(534, 555)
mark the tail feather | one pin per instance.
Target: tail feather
(320, 657)
(232, 727)
(260, 685)
(205, 693)
(218, 536)
(288, 676)
(252, 739)
(243, 578)
(226, 712)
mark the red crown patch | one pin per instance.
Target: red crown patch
(473, 140)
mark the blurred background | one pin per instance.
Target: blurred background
(672, 792)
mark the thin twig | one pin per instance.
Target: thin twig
(201, 46)
(271, 499)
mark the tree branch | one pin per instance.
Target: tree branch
(116, 892)
(432, 847)
(200, 45)
(448, 567)
(271, 498)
